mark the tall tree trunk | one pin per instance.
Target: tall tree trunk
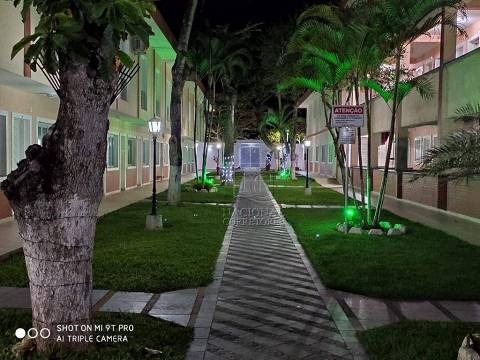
(178, 82)
(229, 128)
(195, 117)
(369, 158)
(360, 160)
(205, 140)
(386, 168)
(55, 193)
(293, 146)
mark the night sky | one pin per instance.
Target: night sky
(238, 13)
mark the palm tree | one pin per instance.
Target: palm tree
(397, 24)
(197, 65)
(178, 82)
(281, 120)
(457, 158)
(222, 58)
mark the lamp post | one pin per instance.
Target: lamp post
(308, 190)
(154, 221)
(219, 146)
(279, 147)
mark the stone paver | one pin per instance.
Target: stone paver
(267, 305)
(175, 306)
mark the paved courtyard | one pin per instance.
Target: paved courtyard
(269, 306)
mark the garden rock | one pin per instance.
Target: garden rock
(342, 227)
(401, 228)
(394, 232)
(204, 190)
(470, 348)
(376, 232)
(355, 231)
(213, 190)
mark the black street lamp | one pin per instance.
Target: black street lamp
(308, 190)
(153, 220)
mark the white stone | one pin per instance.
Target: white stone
(308, 191)
(376, 232)
(401, 228)
(204, 190)
(355, 231)
(394, 232)
(154, 222)
(342, 227)
(466, 351)
(213, 190)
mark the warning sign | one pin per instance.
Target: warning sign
(348, 116)
(346, 136)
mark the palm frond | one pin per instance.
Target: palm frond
(467, 112)
(456, 159)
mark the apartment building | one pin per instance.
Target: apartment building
(451, 64)
(29, 106)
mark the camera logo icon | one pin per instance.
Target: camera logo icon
(32, 333)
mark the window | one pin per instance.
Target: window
(317, 153)
(422, 145)
(125, 47)
(324, 153)
(21, 135)
(143, 82)
(158, 92)
(112, 151)
(132, 152)
(158, 153)
(3, 145)
(146, 153)
(42, 129)
(166, 157)
(169, 99)
(331, 153)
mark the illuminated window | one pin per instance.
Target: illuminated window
(112, 151)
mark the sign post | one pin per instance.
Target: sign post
(347, 118)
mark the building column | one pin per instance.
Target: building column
(448, 49)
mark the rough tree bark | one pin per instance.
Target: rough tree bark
(178, 82)
(55, 193)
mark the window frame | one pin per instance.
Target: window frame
(7, 154)
(46, 121)
(12, 154)
(117, 167)
(148, 143)
(143, 78)
(131, 165)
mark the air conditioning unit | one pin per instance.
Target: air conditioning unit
(137, 45)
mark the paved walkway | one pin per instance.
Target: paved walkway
(10, 242)
(457, 225)
(269, 304)
(175, 306)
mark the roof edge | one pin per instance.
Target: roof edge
(163, 25)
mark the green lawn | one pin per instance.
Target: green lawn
(128, 257)
(271, 180)
(416, 340)
(224, 195)
(423, 264)
(171, 339)
(296, 196)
